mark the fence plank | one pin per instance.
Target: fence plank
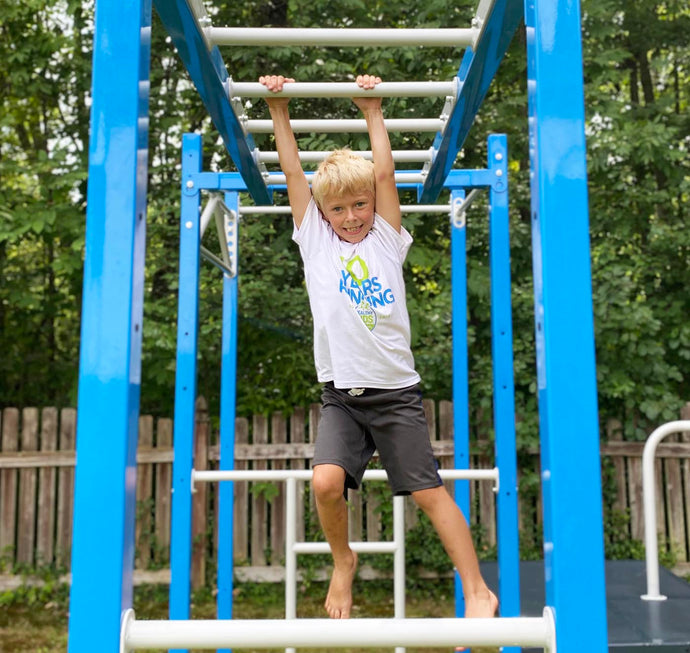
(614, 433)
(26, 521)
(277, 505)
(47, 479)
(163, 489)
(142, 535)
(259, 537)
(8, 484)
(200, 497)
(241, 501)
(297, 436)
(67, 441)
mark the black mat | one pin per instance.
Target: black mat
(634, 625)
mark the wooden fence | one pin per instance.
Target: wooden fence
(37, 477)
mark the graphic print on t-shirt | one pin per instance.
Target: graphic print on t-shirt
(367, 294)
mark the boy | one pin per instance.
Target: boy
(349, 230)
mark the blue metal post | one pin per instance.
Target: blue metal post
(503, 384)
(460, 366)
(228, 392)
(185, 382)
(566, 374)
(110, 357)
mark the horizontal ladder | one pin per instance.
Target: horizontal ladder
(344, 89)
(342, 36)
(336, 633)
(335, 126)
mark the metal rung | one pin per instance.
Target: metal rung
(405, 208)
(278, 179)
(341, 37)
(399, 156)
(359, 547)
(350, 126)
(344, 89)
(336, 633)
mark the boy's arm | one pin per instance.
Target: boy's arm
(387, 199)
(299, 193)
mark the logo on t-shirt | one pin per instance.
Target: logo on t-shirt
(366, 293)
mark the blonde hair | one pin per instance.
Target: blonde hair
(340, 173)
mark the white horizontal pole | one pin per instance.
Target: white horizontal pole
(278, 179)
(211, 476)
(335, 633)
(341, 37)
(405, 208)
(344, 90)
(351, 126)
(401, 156)
(359, 547)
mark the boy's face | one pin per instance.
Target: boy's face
(351, 215)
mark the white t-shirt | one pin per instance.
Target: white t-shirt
(357, 297)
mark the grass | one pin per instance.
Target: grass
(35, 621)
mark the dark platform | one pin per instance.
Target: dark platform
(634, 625)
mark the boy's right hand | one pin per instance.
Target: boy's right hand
(274, 83)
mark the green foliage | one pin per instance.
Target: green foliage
(636, 82)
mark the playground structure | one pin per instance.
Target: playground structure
(113, 307)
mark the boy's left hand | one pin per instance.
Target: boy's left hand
(367, 82)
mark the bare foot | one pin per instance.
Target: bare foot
(479, 606)
(339, 599)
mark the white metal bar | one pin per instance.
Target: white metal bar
(335, 633)
(461, 207)
(344, 89)
(218, 262)
(649, 502)
(399, 557)
(210, 476)
(341, 37)
(207, 214)
(279, 179)
(336, 126)
(290, 553)
(405, 208)
(399, 156)
(359, 547)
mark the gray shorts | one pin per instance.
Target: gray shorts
(390, 421)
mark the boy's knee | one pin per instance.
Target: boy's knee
(429, 498)
(328, 482)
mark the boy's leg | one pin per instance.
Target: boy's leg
(328, 484)
(455, 535)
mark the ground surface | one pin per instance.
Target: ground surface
(37, 623)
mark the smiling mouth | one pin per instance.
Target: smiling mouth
(352, 230)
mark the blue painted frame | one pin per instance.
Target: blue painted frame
(185, 381)
(566, 371)
(111, 328)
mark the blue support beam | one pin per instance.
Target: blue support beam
(208, 72)
(566, 373)
(228, 396)
(185, 382)
(476, 72)
(461, 420)
(503, 382)
(111, 328)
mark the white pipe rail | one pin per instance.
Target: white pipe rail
(215, 475)
(279, 179)
(343, 89)
(399, 156)
(341, 36)
(336, 633)
(649, 502)
(358, 126)
(405, 208)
